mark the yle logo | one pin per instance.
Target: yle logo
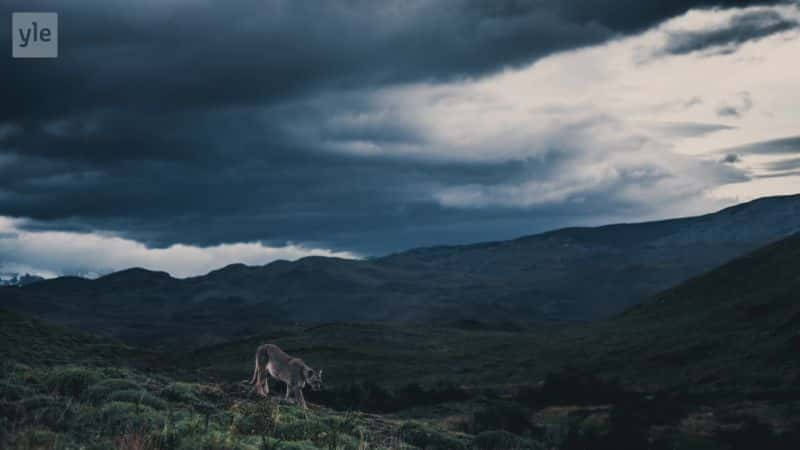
(34, 35)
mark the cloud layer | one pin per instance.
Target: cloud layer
(52, 253)
(366, 127)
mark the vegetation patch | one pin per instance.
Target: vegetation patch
(423, 436)
(101, 390)
(72, 381)
(502, 440)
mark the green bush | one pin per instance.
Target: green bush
(573, 387)
(256, 418)
(72, 381)
(37, 401)
(10, 391)
(100, 391)
(301, 430)
(372, 397)
(752, 433)
(164, 439)
(501, 440)
(506, 416)
(423, 437)
(44, 410)
(181, 393)
(116, 417)
(38, 438)
(137, 396)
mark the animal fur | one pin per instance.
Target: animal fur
(271, 361)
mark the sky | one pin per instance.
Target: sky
(185, 135)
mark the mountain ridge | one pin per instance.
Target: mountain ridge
(568, 274)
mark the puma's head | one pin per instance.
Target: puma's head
(313, 378)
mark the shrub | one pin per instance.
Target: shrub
(749, 435)
(132, 440)
(306, 430)
(117, 417)
(337, 432)
(372, 397)
(100, 391)
(627, 429)
(72, 381)
(44, 410)
(506, 416)
(35, 402)
(182, 393)
(666, 408)
(570, 387)
(257, 418)
(137, 396)
(422, 437)
(12, 392)
(165, 439)
(38, 438)
(789, 438)
(501, 440)
(55, 415)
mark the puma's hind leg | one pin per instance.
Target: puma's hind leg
(298, 396)
(262, 385)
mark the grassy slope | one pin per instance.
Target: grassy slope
(728, 340)
(61, 389)
(25, 339)
(737, 325)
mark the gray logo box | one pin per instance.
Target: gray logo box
(34, 35)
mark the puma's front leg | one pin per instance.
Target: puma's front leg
(298, 394)
(262, 386)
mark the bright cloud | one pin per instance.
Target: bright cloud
(641, 118)
(50, 253)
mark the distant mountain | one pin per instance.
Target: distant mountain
(567, 274)
(590, 272)
(15, 279)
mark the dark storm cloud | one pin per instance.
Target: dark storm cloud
(786, 174)
(181, 54)
(787, 145)
(738, 107)
(731, 158)
(729, 111)
(788, 166)
(784, 165)
(742, 27)
(691, 129)
(177, 121)
(332, 200)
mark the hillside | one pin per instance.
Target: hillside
(29, 340)
(709, 364)
(735, 328)
(563, 275)
(62, 389)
